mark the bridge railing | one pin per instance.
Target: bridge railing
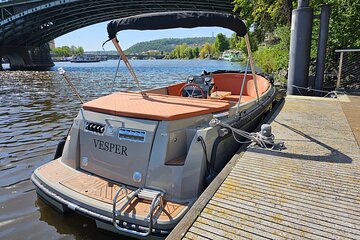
(4, 13)
(349, 68)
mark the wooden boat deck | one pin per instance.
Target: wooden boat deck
(102, 190)
(311, 190)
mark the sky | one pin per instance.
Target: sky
(92, 37)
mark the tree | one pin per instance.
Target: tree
(273, 20)
(189, 53)
(265, 59)
(66, 51)
(233, 41)
(344, 28)
(176, 52)
(264, 15)
(238, 43)
(205, 51)
(272, 57)
(182, 48)
(80, 51)
(214, 51)
(184, 51)
(73, 50)
(62, 51)
(221, 43)
(196, 52)
(167, 44)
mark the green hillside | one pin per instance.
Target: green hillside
(167, 44)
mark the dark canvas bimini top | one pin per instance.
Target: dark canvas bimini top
(166, 20)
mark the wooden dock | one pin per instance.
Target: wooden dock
(311, 190)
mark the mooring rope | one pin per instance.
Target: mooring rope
(256, 137)
(336, 93)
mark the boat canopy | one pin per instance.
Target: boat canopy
(184, 19)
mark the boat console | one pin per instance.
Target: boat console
(197, 86)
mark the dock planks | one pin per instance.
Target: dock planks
(311, 190)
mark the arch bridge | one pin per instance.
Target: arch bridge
(26, 26)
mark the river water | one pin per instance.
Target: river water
(36, 111)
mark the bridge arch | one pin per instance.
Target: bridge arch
(28, 58)
(51, 19)
(40, 21)
(14, 59)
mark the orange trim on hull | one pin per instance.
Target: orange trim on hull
(235, 98)
(174, 89)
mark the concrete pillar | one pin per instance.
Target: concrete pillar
(300, 44)
(28, 58)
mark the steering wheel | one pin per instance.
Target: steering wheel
(192, 92)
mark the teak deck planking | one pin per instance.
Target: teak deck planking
(311, 190)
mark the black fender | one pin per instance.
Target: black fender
(60, 148)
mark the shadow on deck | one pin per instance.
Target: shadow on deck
(310, 190)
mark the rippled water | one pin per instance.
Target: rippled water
(36, 111)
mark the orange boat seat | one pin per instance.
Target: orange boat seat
(155, 106)
(232, 82)
(235, 98)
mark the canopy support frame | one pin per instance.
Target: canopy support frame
(127, 64)
(248, 47)
(242, 89)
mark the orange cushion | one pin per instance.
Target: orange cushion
(235, 98)
(228, 82)
(220, 94)
(155, 107)
(233, 82)
(262, 85)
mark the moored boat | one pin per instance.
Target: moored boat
(85, 59)
(137, 161)
(232, 55)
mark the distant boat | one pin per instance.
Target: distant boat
(85, 59)
(231, 55)
(102, 58)
(62, 59)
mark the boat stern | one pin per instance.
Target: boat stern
(118, 208)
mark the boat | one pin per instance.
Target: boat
(103, 58)
(85, 59)
(136, 162)
(232, 55)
